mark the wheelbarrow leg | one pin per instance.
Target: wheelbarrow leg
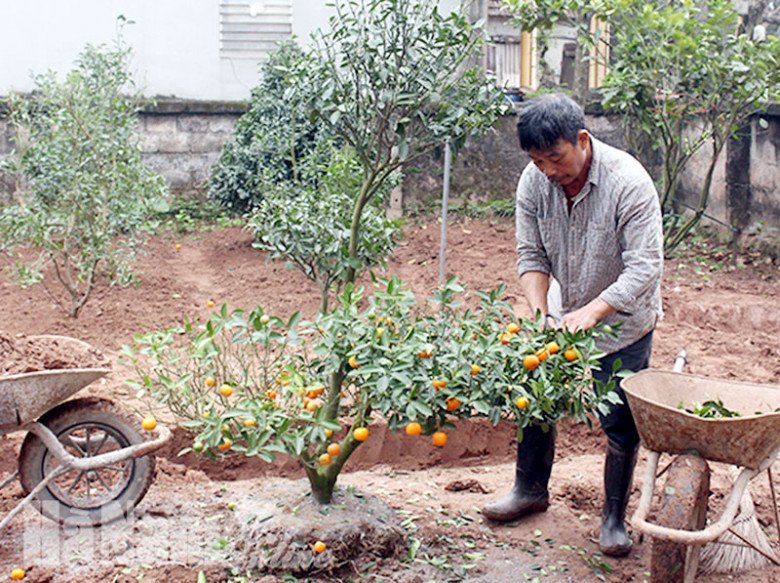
(683, 506)
(774, 500)
(27, 499)
(9, 479)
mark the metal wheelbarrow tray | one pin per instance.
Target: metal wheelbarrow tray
(747, 441)
(751, 441)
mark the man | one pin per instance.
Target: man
(588, 216)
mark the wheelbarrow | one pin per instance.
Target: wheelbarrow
(83, 462)
(751, 441)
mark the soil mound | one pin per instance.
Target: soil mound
(278, 529)
(21, 354)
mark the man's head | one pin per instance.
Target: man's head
(552, 130)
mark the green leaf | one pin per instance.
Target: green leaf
(423, 409)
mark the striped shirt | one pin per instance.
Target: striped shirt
(610, 245)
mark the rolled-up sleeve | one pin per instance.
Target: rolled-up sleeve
(640, 234)
(531, 255)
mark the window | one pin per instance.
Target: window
(253, 28)
(503, 60)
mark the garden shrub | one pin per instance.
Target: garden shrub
(82, 190)
(274, 138)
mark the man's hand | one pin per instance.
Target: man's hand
(587, 316)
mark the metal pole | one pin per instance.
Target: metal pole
(445, 199)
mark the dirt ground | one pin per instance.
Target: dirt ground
(727, 319)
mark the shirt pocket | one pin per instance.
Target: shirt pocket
(602, 241)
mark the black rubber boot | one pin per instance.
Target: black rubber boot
(532, 473)
(618, 473)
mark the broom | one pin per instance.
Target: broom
(744, 546)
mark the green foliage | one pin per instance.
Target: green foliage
(82, 189)
(685, 77)
(500, 207)
(386, 354)
(274, 137)
(407, 93)
(683, 74)
(185, 215)
(310, 228)
(407, 71)
(714, 409)
(393, 81)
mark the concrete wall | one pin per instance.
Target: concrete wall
(692, 179)
(487, 168)
(175, 43)
(181, 140)
(765, 170)
(762, 209)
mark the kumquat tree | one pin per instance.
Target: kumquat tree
(254, 384)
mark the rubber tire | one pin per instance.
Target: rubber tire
(683, 506)
(59, 420)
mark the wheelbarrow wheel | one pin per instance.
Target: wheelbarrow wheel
(86, 427)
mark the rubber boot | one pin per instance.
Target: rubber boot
(618, 473)
(532, 473)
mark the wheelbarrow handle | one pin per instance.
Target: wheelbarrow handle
(163, 435)
(687, 537)
(680, 361)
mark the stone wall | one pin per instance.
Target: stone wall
(181, 140)
(765, 169)
(487, 168)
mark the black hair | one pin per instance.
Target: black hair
(548, 118)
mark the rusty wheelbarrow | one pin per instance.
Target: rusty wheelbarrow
(83, 462)
(750, 441)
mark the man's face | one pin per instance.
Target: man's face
(563, 162)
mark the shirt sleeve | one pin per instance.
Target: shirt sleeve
(531, 255)
(640, 235)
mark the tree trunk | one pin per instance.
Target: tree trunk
(738, 181)
(322, 485)
(582, 65)
(675, 236)
(323, 478)
(324, 288)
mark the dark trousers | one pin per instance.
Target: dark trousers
(618, 424)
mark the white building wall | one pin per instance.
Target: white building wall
(559, 37)
(175, 42)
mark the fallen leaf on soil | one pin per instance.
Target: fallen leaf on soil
(467, 485)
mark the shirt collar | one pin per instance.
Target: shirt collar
(596, 146)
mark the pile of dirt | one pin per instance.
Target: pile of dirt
(275, 531)
(22, 354)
